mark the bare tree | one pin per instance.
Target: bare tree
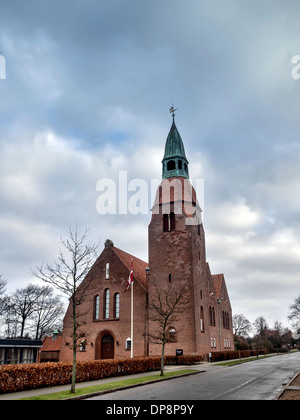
(241, 325)
(48, 313)
(67, 274)
(3, 284)
(261, 327)
(23, 303)
(167, 303)
(294, 314)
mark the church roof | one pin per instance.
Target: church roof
(220, 286)
(52, 343)
(174, 161)
(174, 144)
(139, 266)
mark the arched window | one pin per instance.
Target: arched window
(202, 319)
(171, 165)
(180, 164)
(106, 304)
(117, 305)
(97, 307)
(107, 271)
(82, 345)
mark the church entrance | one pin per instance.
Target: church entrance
(107, 347)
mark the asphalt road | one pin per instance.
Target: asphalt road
(259, 380)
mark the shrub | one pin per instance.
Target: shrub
(15, 378)
(219, 356)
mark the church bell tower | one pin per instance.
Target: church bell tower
(177, 247)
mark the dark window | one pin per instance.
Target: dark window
(172, 221)
(169, 222)
(170, 278)
(166, 222)
(171, 165)
(179, 164)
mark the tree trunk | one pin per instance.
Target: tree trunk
(162, 363)
(74, 349)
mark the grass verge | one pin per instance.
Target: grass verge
(240, 361)
(94, 389)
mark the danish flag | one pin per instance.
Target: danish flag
(130, 278)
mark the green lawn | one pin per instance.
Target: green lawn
(243, 360)
(108, 386)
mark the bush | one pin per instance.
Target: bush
(15, 378)
(219, 356)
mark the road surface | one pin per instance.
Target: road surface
(258, 380)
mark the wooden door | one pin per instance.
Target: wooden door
(107, 347)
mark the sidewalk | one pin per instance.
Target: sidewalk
(50, 390)
(203, 366)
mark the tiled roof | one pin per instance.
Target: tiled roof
(52, 343)
(220, 286)
(139, 266)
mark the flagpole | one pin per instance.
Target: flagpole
(131, 320)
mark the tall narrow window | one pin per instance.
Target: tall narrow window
(169, 222)
(128, 344)
(117, 306)
(106, 304)
(170, 278)
(166, 222)
(97, 307)
(107, 271)
(172, 221)
(202, 319)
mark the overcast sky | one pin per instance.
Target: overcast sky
(88, 87)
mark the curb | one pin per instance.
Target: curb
(288, 386)
(109, 391)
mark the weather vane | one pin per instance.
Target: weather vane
(172, 110)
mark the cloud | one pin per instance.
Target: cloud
(86, 95)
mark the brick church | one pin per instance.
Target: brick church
(177, 258)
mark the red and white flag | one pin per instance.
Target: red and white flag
(130, 278)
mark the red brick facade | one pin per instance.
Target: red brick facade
(176, 256)
(108, 322)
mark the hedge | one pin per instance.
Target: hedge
(218, 356)
(15, 378)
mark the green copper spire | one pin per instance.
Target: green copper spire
(174, 162)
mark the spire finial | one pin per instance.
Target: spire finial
(172, 111)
